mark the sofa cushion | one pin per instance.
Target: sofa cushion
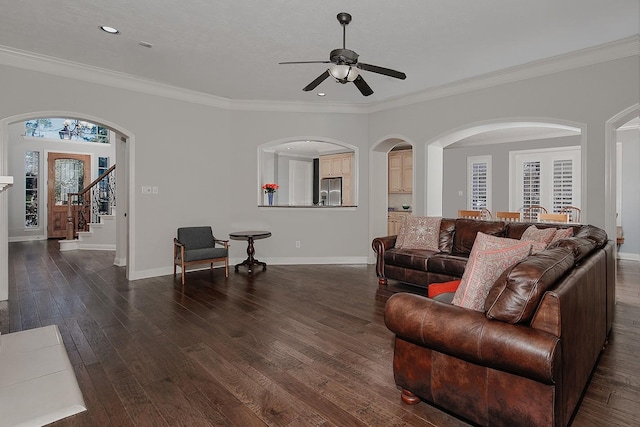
(489, 257)
(420, 232)
(598, 235)
(539, 237)
(415, 259)
(514, 297)
(466, 231)
(447, 231)
(580, 246)
(451, 265)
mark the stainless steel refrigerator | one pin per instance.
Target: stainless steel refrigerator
(331, 191)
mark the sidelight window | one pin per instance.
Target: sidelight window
(32, 173)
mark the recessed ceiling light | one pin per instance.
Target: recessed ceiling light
(321, 94)
(109, 30)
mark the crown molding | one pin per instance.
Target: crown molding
(50, 65)
(618, 49)
(623, 48)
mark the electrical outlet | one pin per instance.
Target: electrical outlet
(146, 189)
(298, 244)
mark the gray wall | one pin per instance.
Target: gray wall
(208, 174)
(455, 171)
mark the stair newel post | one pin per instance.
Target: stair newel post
(70, 222)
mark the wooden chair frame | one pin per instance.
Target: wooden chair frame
(508, 216)
(553, 217)
(573, 212)
(529, 211)
(178, 258)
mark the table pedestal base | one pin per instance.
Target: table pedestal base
(251, 261)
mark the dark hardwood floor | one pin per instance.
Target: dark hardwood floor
(294, 346)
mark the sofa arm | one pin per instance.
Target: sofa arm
(379, 245)
(468, 335)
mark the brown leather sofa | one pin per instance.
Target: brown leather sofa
(527, 358)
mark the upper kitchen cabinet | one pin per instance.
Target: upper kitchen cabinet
(401, 171)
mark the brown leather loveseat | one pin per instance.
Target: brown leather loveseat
(526, 359)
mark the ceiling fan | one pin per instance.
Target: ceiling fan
(345, 66)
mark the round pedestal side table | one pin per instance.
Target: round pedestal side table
(250, 236)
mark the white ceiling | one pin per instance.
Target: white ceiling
(231, 48)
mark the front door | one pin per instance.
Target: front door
(67, 173)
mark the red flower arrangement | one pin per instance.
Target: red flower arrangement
(270, 187)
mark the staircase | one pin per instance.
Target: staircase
(91, 217)
(101, 236)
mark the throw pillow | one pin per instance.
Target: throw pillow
(489, 257)
(402, 232)
(562, 233)
(436, 289)
(421, 232)
(539, 237)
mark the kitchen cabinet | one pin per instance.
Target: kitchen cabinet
(401, 171)
(339, 166)
(395, 221)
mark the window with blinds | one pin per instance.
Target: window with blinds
(562, 184)
(531, 183)
(546, 177)
(479, 183)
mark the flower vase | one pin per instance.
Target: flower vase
(270, 196)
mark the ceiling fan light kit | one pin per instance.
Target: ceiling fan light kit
(345, 67)
(343, 73)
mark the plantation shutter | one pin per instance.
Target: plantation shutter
(562, 184)
(530, 185)
(479, 185)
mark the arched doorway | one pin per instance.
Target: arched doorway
(486, 134)
(611, 127)
(123, 153)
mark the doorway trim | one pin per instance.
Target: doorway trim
(610, 139)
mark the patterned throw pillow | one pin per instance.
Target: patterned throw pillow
(402, 232)
(421, 232)
(539, 237)
(489, 257)
(562, 233)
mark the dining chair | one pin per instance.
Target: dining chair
(530, 213)
(508, 216)
(485, 214)
(469, 214)
(196, 245)
(553, 217)
(574, 213)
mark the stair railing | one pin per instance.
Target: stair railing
(84, 207)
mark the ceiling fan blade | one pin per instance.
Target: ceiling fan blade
(364, 88)
(381, 70)
(304, 62)
(322, 77)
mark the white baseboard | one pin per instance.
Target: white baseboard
(165, 271)
(628, 256)
(25, 239)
